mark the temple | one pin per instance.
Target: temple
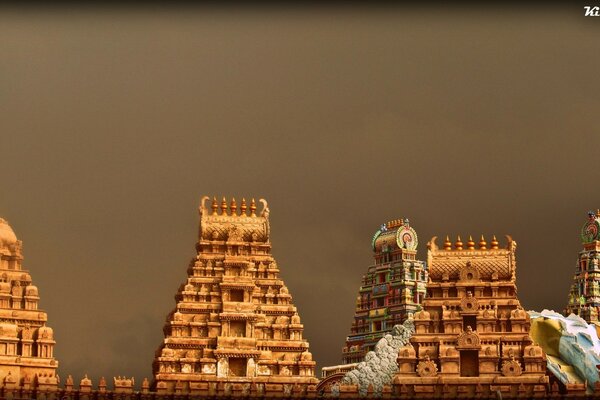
(584, 296)
(472, 336)
(391, 290)
(235, 330)
(26, 343)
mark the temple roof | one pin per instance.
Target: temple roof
(394, 235)
(590, 231)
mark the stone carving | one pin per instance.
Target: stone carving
(468, 339)
(469, 303)
(426, 367)
(511, 368)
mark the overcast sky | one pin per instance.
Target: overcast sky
(114, 123)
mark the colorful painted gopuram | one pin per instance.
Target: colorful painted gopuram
(26, 342)
(584, 296)
(235, 330)
(472, 336)
(391, 290)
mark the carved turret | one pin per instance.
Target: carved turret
(234, 320)
(584, 296)
(26, 343)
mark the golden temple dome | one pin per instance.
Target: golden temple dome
(7, 235)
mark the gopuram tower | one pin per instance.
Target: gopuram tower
(472, 336)
(234, 330)
(584, 296)
(26, 343)
(391, 290)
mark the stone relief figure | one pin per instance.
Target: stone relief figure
(209, 369)
(263, 370)
(251, 367)
(306, 356)
(222, 367)
(284, 370)
(296, 319)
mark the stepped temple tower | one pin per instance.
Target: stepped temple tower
(391, 290)
(584, 297)
(235, 330)
(472, 336)
(26, 343)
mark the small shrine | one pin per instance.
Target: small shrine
(472, 336)
(391, 290)
(26, 342)
(584, 296)
(235, 329)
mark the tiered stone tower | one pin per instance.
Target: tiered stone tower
(391, 290)
(584, 297)
(26, 343)
(472, 336)
(234, 330)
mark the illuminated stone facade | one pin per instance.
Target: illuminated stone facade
(391, 290)
(26, 343)
(472, 335)
(584, 296)
(235, 328)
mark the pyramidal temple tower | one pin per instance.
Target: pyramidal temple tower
(234, 330)
(391, 290)
(26, 343)
(584, 296)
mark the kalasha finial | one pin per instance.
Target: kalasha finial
(233, 206)
(253, 208)
(243, 206)
(598, 212)
(459, 244)
(447, 243)
(494, 243)
(482, 243)
(214, 205)
(224, 206)
(471, 243)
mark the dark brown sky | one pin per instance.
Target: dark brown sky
(114, 124)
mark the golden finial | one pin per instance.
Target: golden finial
(482, 243)
(214, 205)
(224, 206)
(243, 206)
(447, 244)
(598, 212)
(494, 243)
(459, 244)
(471, 243)
(253, 208)
(233, 206)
